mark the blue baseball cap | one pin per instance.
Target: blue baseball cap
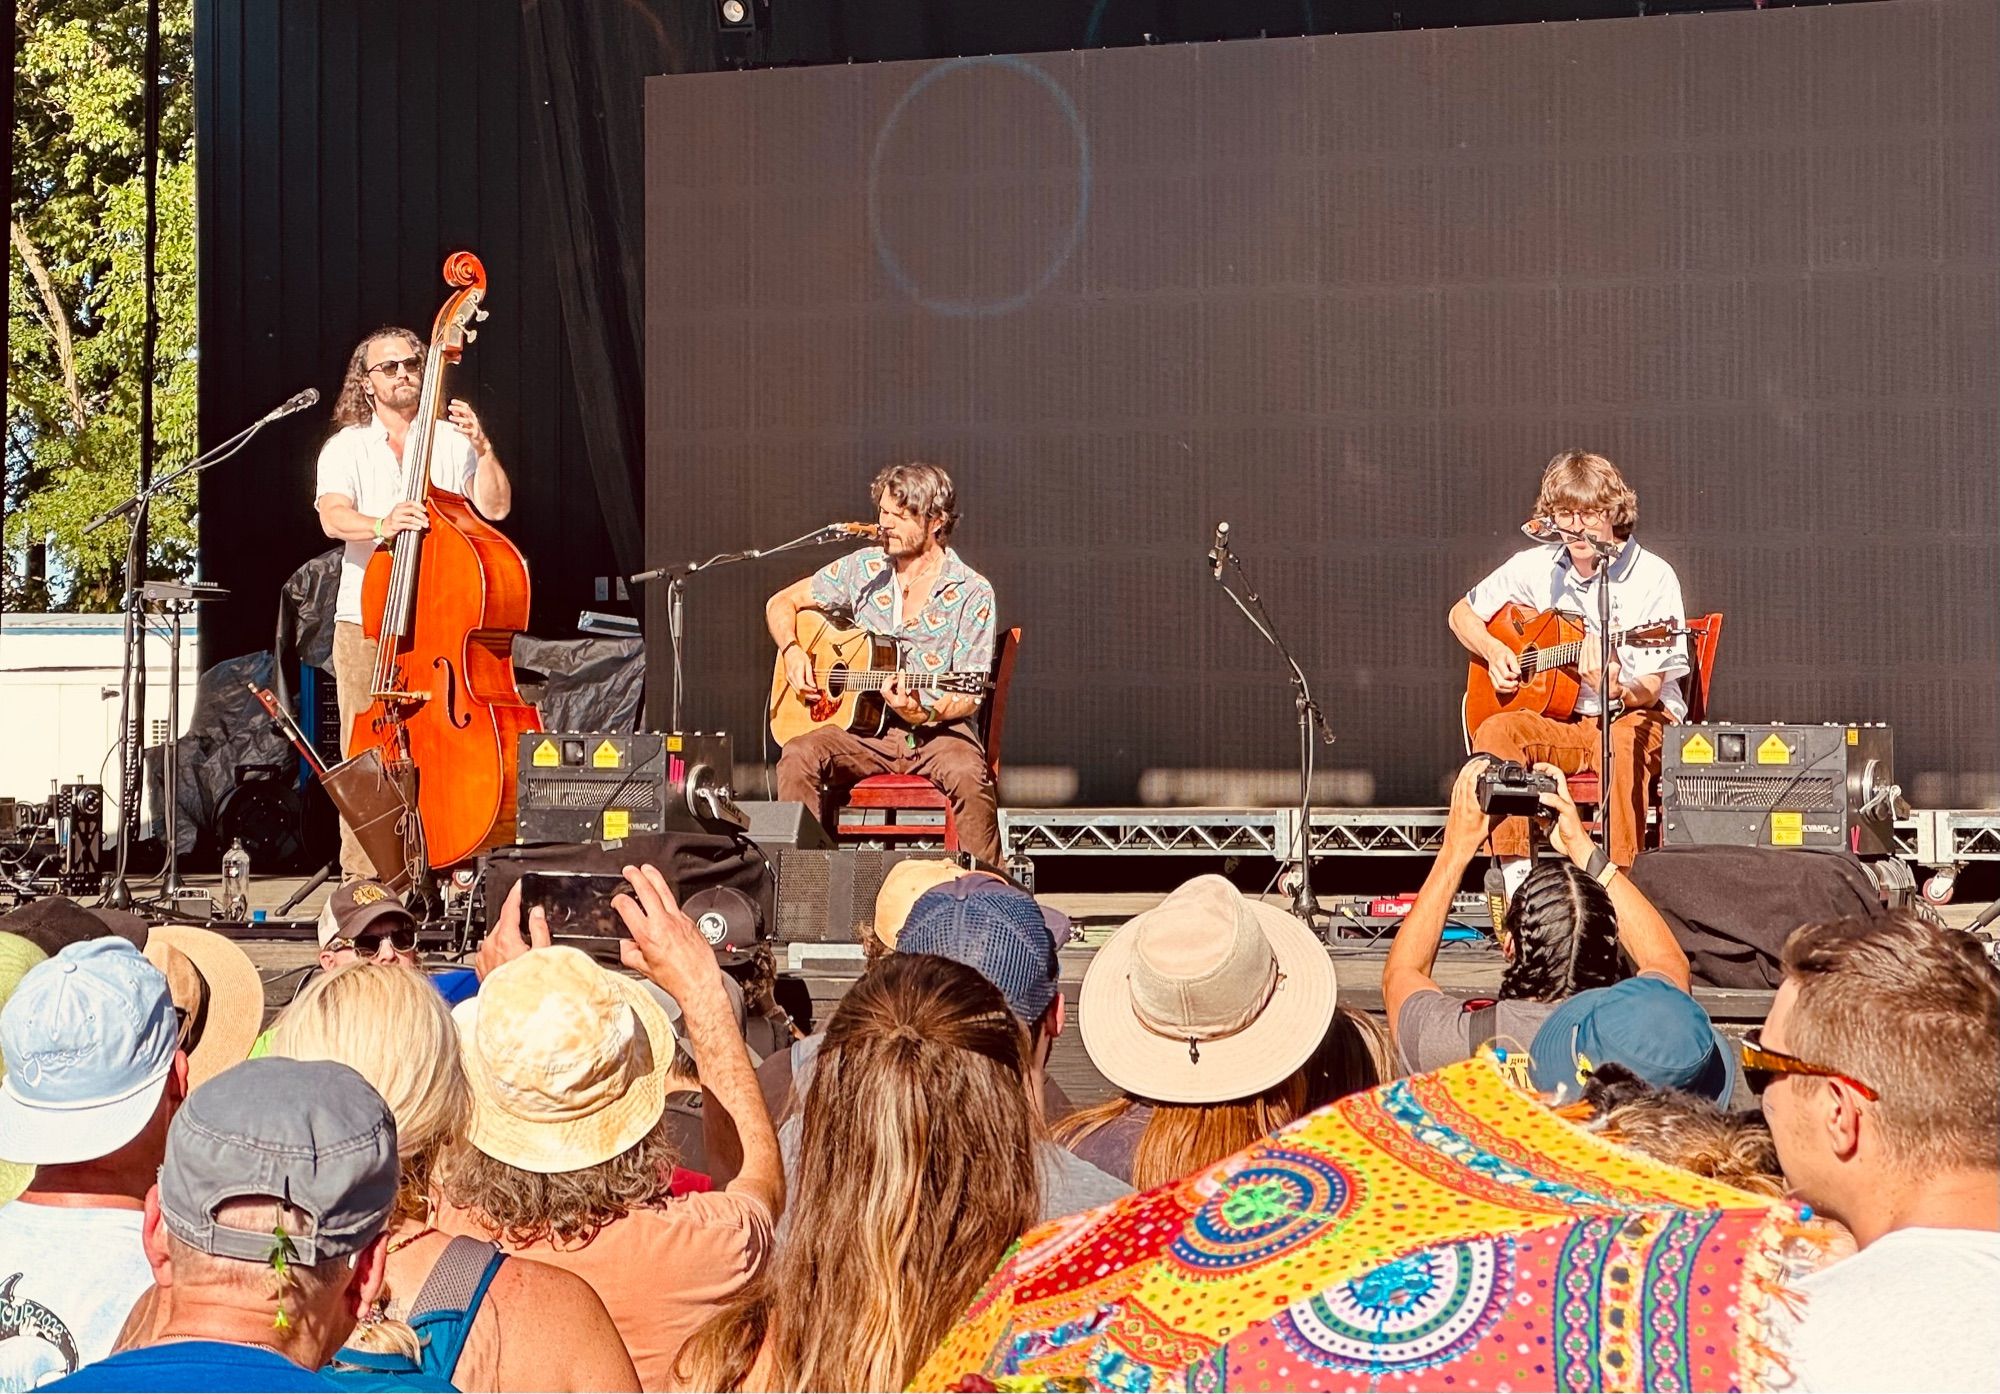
(994, 927)
(1647, 1025)
(89, 1037)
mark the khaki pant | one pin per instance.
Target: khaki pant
(1571, 746)
(353, 679)
(831, 760)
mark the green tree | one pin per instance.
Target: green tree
(76, 237)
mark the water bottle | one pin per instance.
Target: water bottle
(236, 883)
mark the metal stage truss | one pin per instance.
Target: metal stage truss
(1933, 838)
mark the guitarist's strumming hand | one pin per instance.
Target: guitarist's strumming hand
(799, 671)
(1504, 668)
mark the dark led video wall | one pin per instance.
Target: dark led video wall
(1350, 294)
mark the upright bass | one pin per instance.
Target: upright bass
(443, 606)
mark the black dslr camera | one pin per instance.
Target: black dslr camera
(1508, 787)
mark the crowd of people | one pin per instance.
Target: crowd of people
(550, 1172)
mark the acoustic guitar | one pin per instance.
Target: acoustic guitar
(1548, 644)
(851, 667)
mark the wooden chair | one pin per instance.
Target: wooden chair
(896, 794)
(1585, 788)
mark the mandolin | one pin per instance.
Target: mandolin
(851, 666)
(1548, 643)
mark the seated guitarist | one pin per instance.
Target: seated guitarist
(913, 589)
(1583, 493)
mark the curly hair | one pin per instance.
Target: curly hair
(1579, 479)
(926, 490)
(564, 1207)
(1683, 1130)
(354, 407)
(1565, 936)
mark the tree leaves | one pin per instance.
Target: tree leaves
(76, 259)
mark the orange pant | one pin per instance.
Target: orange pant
(1571, 746)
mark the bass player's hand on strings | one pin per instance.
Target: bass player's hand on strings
(405, 517)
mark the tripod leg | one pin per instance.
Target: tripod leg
(319, 879)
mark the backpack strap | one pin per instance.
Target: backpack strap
(449, 1299)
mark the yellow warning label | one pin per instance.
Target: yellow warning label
(1772, 750)
(1853, 736)
(617, 824)
(674, 743)
(605, 757)
(546, 755)
(1697, 751)
(1788, 829)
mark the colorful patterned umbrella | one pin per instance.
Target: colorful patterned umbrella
(1442, 1232)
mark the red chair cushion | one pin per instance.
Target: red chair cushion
(896, 791)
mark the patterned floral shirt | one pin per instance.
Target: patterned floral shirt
(952, 631)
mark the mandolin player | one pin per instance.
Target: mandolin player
(914, 589)
(1583, 494)
(359, 502)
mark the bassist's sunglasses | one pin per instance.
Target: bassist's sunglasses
(413, 365)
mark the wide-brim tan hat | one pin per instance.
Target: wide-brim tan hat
(224, 999)
(1194, 1051)
(542, 1131)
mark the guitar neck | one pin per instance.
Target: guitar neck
(865, 680)
(1560, 655)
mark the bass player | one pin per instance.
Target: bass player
(1583, 494)
(915, 590)
(359, 502)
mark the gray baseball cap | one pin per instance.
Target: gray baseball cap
(312, 1133)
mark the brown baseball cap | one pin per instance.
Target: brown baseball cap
(357, 905)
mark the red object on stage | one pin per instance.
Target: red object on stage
(444, 605)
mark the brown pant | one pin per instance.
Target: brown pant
(1571, 746)
(831, 760)
(353, 677)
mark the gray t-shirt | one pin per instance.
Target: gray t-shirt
(68, 1279)
(1434, 1029)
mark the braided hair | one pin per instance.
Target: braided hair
(1565, 935)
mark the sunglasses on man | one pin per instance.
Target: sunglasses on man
(368, 943)
(413, 365)
(1762, 1066)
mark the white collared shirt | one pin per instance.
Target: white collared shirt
(357, 462)
(1643, 589)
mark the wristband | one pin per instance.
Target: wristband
(790, 644)
(378, 531)
(1600, 868)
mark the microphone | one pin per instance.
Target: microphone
(1219, 553)
(297, 402)
(1544, 531)
(853, 529)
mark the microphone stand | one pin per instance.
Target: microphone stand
(676, 576)
(132, 714)
(1305, 906)
(1606, 553)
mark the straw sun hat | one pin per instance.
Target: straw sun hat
(1209, 996)
(568, 1062)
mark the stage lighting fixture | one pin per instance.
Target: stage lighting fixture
(735, 14)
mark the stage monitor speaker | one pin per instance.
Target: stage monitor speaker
(605, 786)
(1779, 785)
(779, 825)
(828, 896)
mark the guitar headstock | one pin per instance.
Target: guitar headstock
(452, 330)
(1659, 634)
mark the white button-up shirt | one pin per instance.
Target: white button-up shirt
(1643, 589)
(357, 462)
